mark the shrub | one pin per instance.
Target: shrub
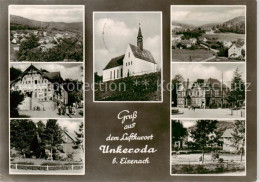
(220, 160)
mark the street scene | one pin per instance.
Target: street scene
(208, 147)
(208, 90)
(208, 33)
(47, 146)
(46, 33)
(46, 90)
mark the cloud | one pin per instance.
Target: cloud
(53, 13)
(153, 44)
(199, 15)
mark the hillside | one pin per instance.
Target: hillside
(240, 20)
(181, 25)
(20, 23)
(125, 90)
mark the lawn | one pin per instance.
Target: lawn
(227, 36)
(190, 164)
(194, 158)
(184, 55)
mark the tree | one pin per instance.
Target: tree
(14, 73)
(236, 96)
(204, 134)
(22, 132)
(178, 132)
(52, 137)
(238, 137)
(78, 144)
(16, 98)
(38, 143)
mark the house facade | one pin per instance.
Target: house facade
(203, 93)
(236, 50)
(68, 144)
(135, 61)
(228, 144)
(42, 89)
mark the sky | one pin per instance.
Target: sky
(199, 15)
(207, 70)
(67, 70)
(114, 31)
(48, 13)
(71, 125)
(190, 123)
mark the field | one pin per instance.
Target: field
(184, 55)
(226, 36)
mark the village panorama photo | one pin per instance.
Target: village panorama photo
(47, 146)
(208, 33)
(39, 90)
(46, 33)
(208, 90)
(208, 147)
(127, 56)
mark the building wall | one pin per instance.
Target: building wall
(234, 52)
(136, 66)
(41, 90)
(227, 145)
(112, 73)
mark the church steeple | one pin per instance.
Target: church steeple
(140, 38)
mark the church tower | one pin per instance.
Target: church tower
(140, 39)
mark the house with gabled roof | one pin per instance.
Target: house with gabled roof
(236, 50)
(202, 93)
(42, 89)
(228, 144)
(135, 61)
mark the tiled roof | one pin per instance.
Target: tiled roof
(114, 62)
(142, 54)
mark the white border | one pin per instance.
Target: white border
(219, 119)
(93, 29)
(57, 62)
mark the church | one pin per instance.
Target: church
(135, 61)
(42, 89)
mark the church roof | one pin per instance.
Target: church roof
(140, 32)
(142, 54)
(114, 62)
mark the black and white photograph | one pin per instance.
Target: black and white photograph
(47, 146)
(127, 56)
(46, 33)
(208, 33)
(39, 90)
(208, 147)
(208, 90)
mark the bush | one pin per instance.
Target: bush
(220, 160)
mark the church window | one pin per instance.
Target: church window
(121, 72)
(131, 63)
(110, 74)
(129, 54)
(35, 81)
(114, 74)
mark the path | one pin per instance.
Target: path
(208, 113)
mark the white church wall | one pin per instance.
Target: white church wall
(112, 73)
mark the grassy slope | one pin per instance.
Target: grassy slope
(131, 91)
